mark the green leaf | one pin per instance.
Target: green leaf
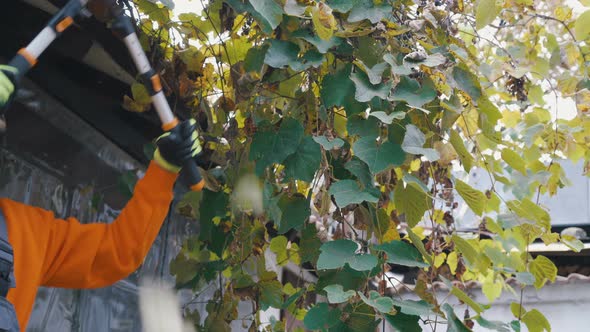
(466, 249)
(492, 325)
(363, 262)
(291, 299)
(381, 303)
(311, 58)
(292, 8)
(336, 87)
(342, 6)
(423, 59)
(417, 308)
(271, 294)
(525, 208)
(278, 245)
(358, 125)
(368, 10)
(582, 26)
(336, 294)
(515, 324)
(374, 73)
(309, 246)
(294, 211)
(525, 278)
(335, 254)
(536, 322)
(467, 82)
(411, 201)
(466, 299)
(474, 198)
(401, 253)
(388, 118)
(420, 246)
(281, 53)
(347, 192)
(395, 67)
(485, 13)
(514, 160)
(303, 164)
(360, 317)
(404, 323)
(241, 7)
(328, 145)
(410, 91)
(464, 155)
(347, 277)
(543, 269)
(365, 90)
(488, 118)
(361, 170)
(455, 324)
(269, 147)
(270, 10)
(255, 58)
(379, 157)
(322, 45)
(414, 141)
(213, 204)
(320, 317)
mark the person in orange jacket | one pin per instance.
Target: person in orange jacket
(52, 252)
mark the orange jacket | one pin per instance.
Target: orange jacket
(65, 253)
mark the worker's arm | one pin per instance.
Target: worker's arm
(97, 255)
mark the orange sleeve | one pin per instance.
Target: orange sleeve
(97, 255)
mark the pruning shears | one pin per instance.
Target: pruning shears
(121, 24)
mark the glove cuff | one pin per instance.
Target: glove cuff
(164, 163)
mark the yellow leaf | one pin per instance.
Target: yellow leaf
(474, 198)
(439, 259)
(543, 269)
(567, 84)
(511, 118)
(140, 93)
(517, 309)
(485, 13)
(536, 322)
(438, 217)
(582, 27)
(563, 13)
(514, 160)
(453, 261)
(464, 155)
(446, 151)
(391, 234)
(415, 165)
(492, 288)
(340, 123)
(133, 106)
(324, 22)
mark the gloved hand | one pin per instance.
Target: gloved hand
(177, 146)
(7, 87)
